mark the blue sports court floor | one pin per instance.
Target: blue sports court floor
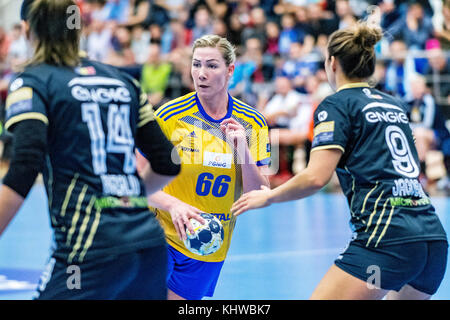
(280, 252)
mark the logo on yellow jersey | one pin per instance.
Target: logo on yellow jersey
(217, 160)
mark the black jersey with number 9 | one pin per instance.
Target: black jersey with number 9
(379, 168)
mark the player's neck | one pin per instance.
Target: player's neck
(342, 80)
(215, 106)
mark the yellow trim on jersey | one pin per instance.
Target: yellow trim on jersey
(388, 222)
(331, 146)
(68, 194)
(353, 85)
(146, 115)
(91, 235)
(353, 196)
(380, 218)
(374, 211)
(76, 215)
(367, 197)
(82, 229)
(26, 116)
(322, 127)
(25, 93)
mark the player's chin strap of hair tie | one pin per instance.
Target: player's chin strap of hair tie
(26, 4)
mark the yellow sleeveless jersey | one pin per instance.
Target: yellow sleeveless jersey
(210, 179)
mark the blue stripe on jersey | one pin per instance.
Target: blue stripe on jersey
(179, 104)
(248, 115)
(250, 110)
(180, 111)
(263, 162)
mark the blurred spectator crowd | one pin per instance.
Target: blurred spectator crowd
(280, 51)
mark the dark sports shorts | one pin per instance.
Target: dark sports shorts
(140, 275)
(189, 278)
(419, 264)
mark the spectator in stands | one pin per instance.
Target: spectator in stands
(155, 75)
(252, 68)
(302, 27)
(320, 23)
(156, 32)
(288, 35)
(299, 66)
(99, 35)
(427, 123)
(138, 13)
(415, 28)
(18, 49)
(4, 45)
(389, 13)
(272, 37)
(4, 66)
(400, 70)
(256, 26)
(235, 30)
(437, 75)
(121, 54)
(379, 76)
(140, 38)
(220, 28)
(117, 10)
(175, 36)
(180, 79)
(443, 33)
(279, 111)
(282, 107)
(345, 14)
(203, 23)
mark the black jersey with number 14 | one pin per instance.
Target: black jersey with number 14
(96, 200)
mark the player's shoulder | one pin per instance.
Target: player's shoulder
(99, 69)
(248, 113)
(36, 77)
(175, 107)
(331, 101)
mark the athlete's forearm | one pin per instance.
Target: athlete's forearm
(300, 186)
(161, 200)
(317, 174)
(10, 202)
(153, 181)
(252, 178)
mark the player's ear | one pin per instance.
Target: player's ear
(26, 28)
(230, 69)
(333, 63)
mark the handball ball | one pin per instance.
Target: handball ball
(207, 238)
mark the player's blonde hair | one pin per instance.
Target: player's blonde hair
(354, 49)
(55, 42)
(227, 50)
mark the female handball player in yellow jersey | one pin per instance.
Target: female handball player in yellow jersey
(224, 147)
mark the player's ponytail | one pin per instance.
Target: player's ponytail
(56, 40)
(354, 49)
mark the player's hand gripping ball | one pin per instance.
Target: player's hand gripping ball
(207, 238)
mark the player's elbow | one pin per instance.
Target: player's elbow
(317, 181)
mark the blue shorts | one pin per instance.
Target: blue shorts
(419, 264)
(189, 278)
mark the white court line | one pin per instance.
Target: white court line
(283, 254)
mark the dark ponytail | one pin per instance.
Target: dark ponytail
(354, 49)
(56, 41)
